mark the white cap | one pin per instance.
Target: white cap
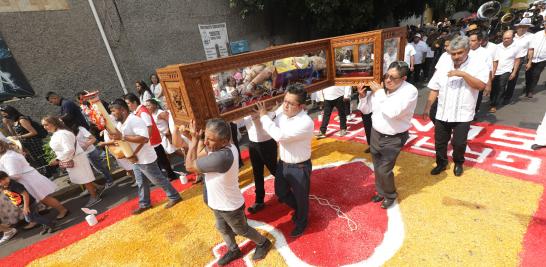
(417, 35)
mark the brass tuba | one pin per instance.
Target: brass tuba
(507, 18)
(489, 10)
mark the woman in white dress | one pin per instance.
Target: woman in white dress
(63, 142)
(17, 167)
(157, 90)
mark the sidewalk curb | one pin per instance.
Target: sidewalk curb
(74, 190)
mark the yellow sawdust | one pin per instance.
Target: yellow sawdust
(477, 219)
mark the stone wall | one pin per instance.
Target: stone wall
(63, 51)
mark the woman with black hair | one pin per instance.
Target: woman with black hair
(72, 156)
(86, 140)
(157, 90)
(23, 129)
(143, 91)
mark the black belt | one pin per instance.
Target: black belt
(393, 135)
(295, 165)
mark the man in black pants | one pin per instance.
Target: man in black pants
(505, 66)
(335, 96)
(293, 130)
(365, 108)
(393, 108)
(263, 152)
(536, 60)
(523, 39)
(456, 88)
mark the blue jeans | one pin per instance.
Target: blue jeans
(154, 174)
(34, 216)
(96, 163)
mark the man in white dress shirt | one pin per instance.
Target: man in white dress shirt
(393, 109)
(293, 131)
(409, 56)
(262, 150)
(505, 66)
(476, 38)
(335, 96)
(522, 38)
(456, 86)
(420, 55)
(536, 60)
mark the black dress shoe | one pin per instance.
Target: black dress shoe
(140, 210)
(438, 169)
(377, 198)
(387, 202)
(458, 170)
(262, 250)
(297, 231)
(256, 207)
(230, 256)
(537, 147)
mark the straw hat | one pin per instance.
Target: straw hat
(524, 22)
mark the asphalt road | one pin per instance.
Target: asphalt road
(522, 112)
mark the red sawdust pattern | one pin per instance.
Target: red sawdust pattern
(328, 241)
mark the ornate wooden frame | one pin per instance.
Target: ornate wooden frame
(389, 33)
(188, 88)
(354, 40)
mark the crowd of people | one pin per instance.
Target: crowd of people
(459, 64)
(75, 139)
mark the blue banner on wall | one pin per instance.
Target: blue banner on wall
(13, 83)
(239, 47)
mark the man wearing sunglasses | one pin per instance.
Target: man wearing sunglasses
(292, 128)
(392, 110)
(456, 84)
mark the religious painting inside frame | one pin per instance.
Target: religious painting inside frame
(229, 87)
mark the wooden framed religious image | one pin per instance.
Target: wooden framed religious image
(394, 43)
(354, 57)
(229, 87)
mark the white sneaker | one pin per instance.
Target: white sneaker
(8, 235)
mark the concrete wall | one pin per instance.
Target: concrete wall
(63, 51)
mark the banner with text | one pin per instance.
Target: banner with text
(215, 40)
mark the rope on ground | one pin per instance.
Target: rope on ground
(352, 225)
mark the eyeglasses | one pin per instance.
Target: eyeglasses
(390, 77)
(290, 103)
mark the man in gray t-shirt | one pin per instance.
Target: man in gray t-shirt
(218, 160)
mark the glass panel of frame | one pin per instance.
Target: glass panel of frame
(244, 86)
(390, 51)
(354, 64)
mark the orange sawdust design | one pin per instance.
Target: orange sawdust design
(477, 219)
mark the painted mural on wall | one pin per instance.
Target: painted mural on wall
(13, 83)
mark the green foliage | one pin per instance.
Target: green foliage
(337, 17)
(48, 152)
